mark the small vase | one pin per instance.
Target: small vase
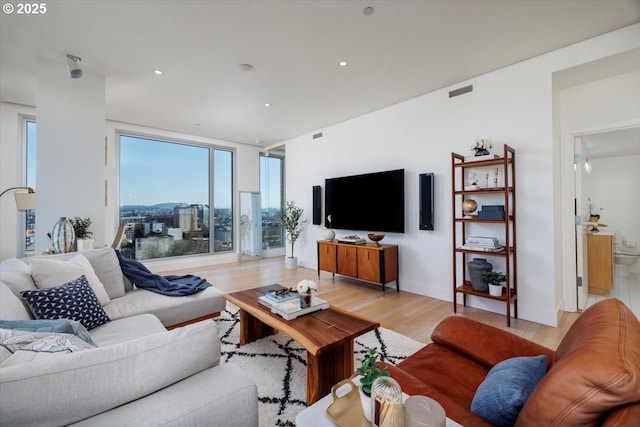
(63, 236)
(366, 404)
(329, 234)
(476, 267)
(305, 300)
(482, 152)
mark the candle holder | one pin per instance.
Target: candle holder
(495, 177)
(486, 180)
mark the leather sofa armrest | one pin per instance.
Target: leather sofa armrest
(624, 416)
(485, 344)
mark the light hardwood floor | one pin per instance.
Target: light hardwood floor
(409, 314)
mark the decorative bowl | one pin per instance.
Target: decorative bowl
(376, 237)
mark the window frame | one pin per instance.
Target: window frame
(119, 133)
(24, 120)
(280, 157)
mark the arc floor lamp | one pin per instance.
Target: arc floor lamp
(24, 200)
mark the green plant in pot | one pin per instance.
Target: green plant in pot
(494, 279)
(369, 372)
(292, 222)
(83, 235)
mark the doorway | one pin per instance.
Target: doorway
(606, 172)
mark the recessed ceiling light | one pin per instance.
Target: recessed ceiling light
(246, 67)
(368, 11)
(158, 72)
(198, 124)
(343, 63)
(266, 104)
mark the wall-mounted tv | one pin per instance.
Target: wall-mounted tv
(369, 202)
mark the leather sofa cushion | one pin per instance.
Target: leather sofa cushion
(597, 369)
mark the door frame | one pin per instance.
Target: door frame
(569, 251)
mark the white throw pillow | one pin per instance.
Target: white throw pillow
(16, 275)
(12, 307)
(48, 273)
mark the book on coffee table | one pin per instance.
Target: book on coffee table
(290, 310)
(275, 297)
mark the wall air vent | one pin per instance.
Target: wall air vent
(317, 135)
(460, 91)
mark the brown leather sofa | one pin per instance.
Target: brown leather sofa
(593, 378)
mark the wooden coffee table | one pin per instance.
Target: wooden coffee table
(327, 335)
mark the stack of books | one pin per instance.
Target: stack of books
(483, 244)
(289, 308)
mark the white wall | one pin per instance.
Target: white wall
(513, 106)
(70, 150)
(613, 186)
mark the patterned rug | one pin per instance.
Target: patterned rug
(278, 365)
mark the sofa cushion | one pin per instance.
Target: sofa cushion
(107, 267)
(501, 396)
(170, 310)
(74, 300)
(12, 307)
(16, 275)
(126, 329)
(597, 369)
(49, 272)
(61, 326)
(105, 377)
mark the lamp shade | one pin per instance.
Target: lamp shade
(25, 201)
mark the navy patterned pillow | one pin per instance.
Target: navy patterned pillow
(74, 300)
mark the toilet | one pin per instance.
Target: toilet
(625, 257)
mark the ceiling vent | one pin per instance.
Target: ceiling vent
(460, 91)
(317, 135)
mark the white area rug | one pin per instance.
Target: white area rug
(278, 365)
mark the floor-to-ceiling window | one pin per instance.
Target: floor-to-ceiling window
(30, 173)
(166, 191)
(272, 192)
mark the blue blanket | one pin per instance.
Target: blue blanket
(173, 285)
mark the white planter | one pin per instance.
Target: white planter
(84, 244)
(366, 403)
(291, 262)
(495, 290)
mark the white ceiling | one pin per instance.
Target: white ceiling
(622, 142)
(405, 49)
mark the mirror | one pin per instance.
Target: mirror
(250, 226)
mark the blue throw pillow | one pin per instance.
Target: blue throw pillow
(74, 300)
(62, 326)
(501, 396)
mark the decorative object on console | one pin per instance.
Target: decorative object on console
(472, 179)
(477, 266)
(292, 222)
(481, 147)
(376, 237)
(63, 236)
(328, 233)
(304, 288)
(468, 207)
(84, 242)
(24, 201)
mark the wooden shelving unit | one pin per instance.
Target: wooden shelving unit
(503, 229)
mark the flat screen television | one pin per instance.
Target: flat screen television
(370, 202)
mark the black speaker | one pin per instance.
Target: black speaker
(426, 201)
(317, 205)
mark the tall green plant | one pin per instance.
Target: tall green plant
(292, 222)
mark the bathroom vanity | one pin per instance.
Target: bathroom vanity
(600, 260)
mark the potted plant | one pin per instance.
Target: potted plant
(84, 242)
(494, 279)
(368, 372)
(292, 222)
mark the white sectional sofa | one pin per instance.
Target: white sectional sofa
(128, 371)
